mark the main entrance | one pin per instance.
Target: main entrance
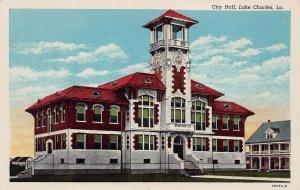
(178, 146)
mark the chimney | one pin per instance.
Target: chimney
(269, 121)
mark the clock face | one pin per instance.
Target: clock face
(156, 60)
(178, 59)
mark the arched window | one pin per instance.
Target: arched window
(49, 116)
(37, 120)
(114, 112)
(62, 113)
(198, 114)
(55, 115)
(43, 119)
(146, 111)
(97, 113)
(81, 112)
(178, 110)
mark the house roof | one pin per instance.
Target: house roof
(137, 79)
(15, 159)
(199, 88)
(284, 134)
(81, 93)
(20, 159)
(171, 14)
(230, 108)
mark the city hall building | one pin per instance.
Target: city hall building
(159, 122)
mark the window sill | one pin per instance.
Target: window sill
(236, 130)
(113, 123)
(98, 122)
(80, 121)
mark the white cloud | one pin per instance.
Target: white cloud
(276, 64)
(250, 52)
(36, 91)
(109, 52)
(238, 63)
(237, 44)
(276, 47)
(46, 47)
(25, 73)
(205, 40)
(141, 67)
(90, 72)
(283, 78)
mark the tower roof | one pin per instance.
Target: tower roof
(171, 15)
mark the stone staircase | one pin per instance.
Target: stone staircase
(191, 169)
(25, 173)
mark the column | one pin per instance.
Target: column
(251, 163)
(250, 147)
(279, 162)
(269, 148)
(269, 166)
(279, 148)
(259, 162)
(259, 148)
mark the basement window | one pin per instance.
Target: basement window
(80, 161)
(237, 162)
(215, 162)
(147, 161)
(113, 161)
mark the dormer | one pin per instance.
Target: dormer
(271, 132)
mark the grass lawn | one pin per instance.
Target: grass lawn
(283, 174)
(121, 178)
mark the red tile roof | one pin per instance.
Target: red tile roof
(171, 14)
(232, 108)
(137, 80)
(81, 93)
(199, 88)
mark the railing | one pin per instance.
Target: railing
(269, 152)
(178, 43)
(157, 44)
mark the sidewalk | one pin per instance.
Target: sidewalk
(244, 178)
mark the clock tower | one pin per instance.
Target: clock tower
(170, 61)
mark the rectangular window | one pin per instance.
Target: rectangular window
(146, 142)
(214, 122)
(97, 113)
(199, 144)
(113, 161)
(225, 119)
(238, 162)
(147, 161)
(215, 161)
(80, 112)
(113, 142)
(214, 145)
(114, 115)
(62, 161)
(225, 145)
(98, 141)
(80, 161)
(236, 121)
(236, 146)
(80, 141)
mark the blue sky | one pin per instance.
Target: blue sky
(242, 54)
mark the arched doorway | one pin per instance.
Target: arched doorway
(178, 146)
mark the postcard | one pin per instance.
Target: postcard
(124, 94)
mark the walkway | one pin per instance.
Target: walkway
(245, 178)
